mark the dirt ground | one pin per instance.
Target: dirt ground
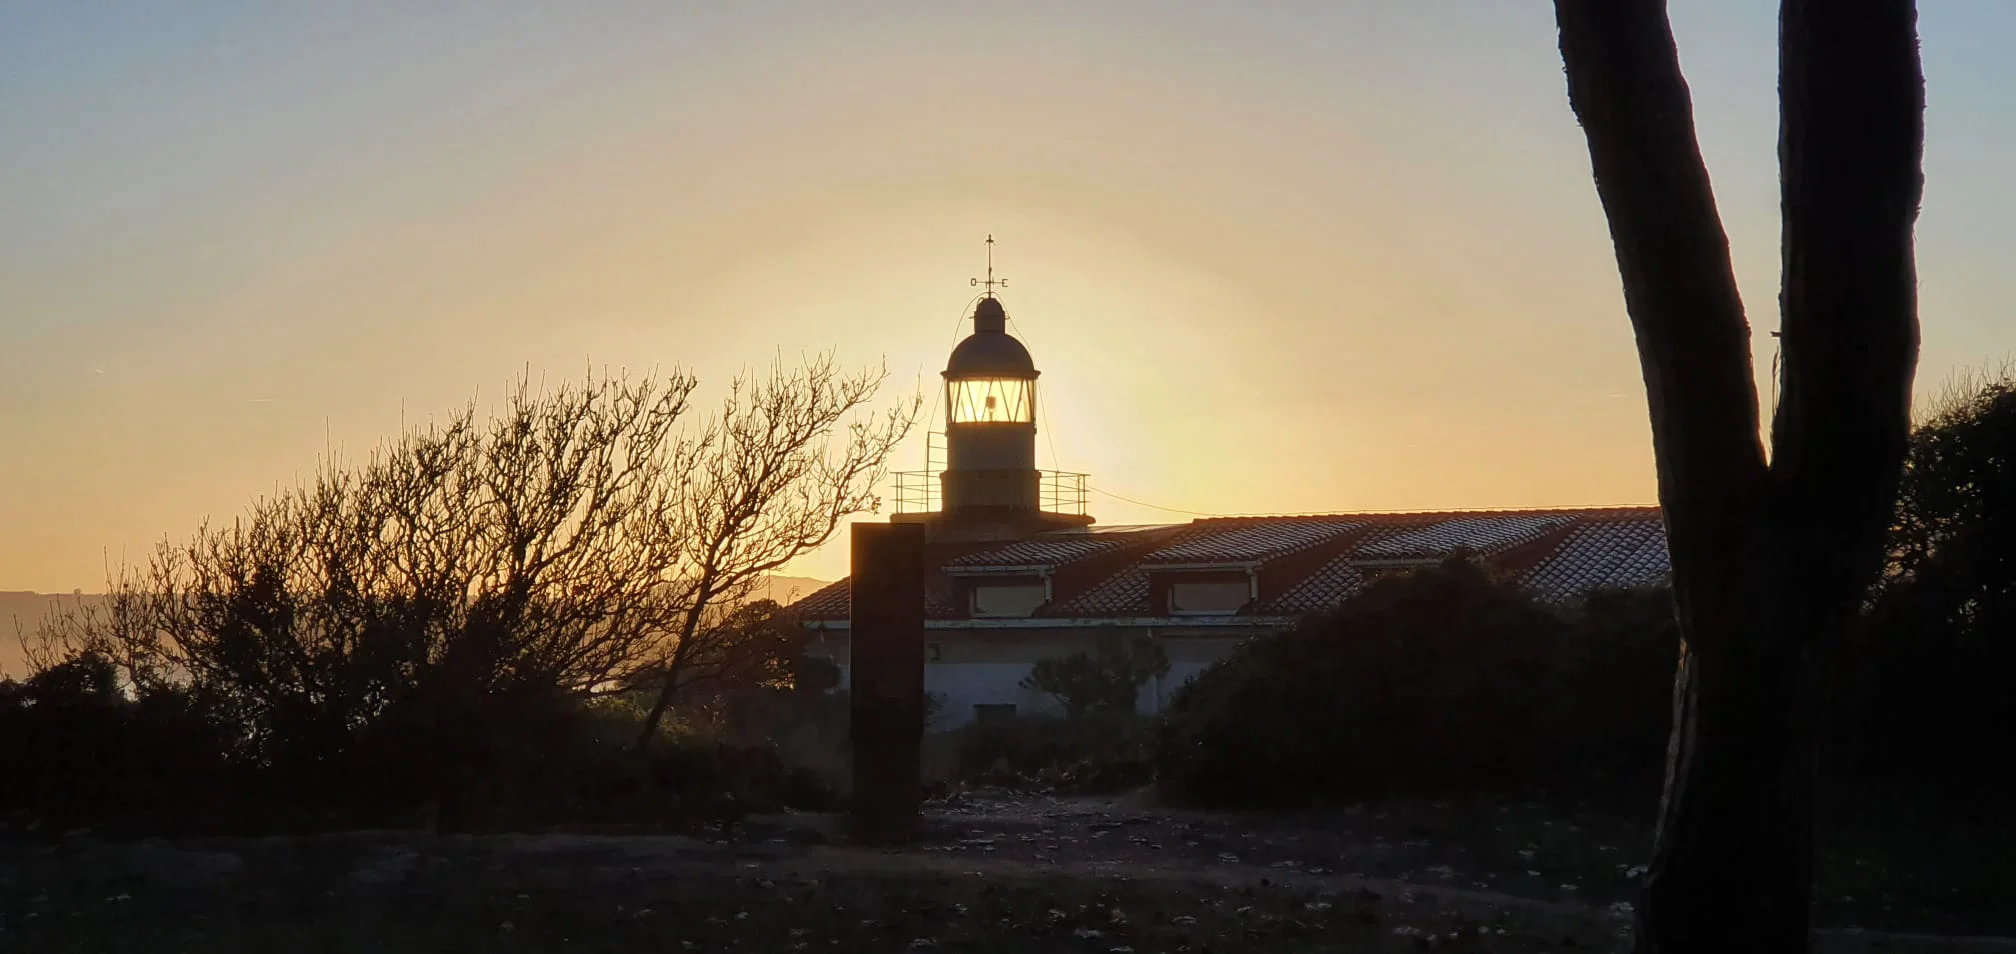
(988, 873)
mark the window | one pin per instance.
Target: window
(1007, 599)
(991, 400)
(1209, 597)
(933, 652)
(987, 714)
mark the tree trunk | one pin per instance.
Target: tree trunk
(660, 704)
(1769, 562)
(704, 594)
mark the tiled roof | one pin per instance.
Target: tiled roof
(1232, 540)
(1313, 562)
(1415, 537)
(1480, 533)
(1123, 594)
(1602, 553)
(1331, 584)
(836, 601)
(1059, 547)
(832, 601)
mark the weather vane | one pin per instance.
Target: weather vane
(990, 282)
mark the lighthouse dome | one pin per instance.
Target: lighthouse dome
(990, 351)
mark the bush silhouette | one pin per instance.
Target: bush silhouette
(77, 752)
(433, 634)
(1102, 753)
(1107, 680)
(1439, 680)
(1929, 671)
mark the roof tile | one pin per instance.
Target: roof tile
(1123, 594)
(1331, 584)
(1605, 553)
(1234, 541)
(1481, 533)
(1594, 548)
(1059, 547)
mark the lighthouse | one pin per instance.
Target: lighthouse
(989, 486)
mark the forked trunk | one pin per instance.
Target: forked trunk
(1769, 562)
(1732, 871)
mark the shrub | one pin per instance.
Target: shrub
(1107, 680)
(1099, 754)
(1618, 695)
(426, 632)
(1927, 674)
(76, 752)
(1438, 680)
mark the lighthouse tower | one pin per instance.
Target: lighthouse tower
(989, 487)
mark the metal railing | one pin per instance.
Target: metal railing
(917, 491)
(1062, 491)
(1057, 491)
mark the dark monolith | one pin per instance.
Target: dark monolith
(886, 633)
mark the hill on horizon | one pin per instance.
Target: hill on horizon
(790, 589)
(21, 611)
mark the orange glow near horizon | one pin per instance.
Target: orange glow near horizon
(1348, 258)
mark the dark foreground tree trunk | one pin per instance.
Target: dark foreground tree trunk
(1769, 560)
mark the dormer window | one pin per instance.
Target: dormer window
(1208, 597)
(1002, 592)
(1204, 590)
(1010, 598)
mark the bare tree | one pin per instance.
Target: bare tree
(1770, 557)
(583, 541)
(771, 485)
(541, 549)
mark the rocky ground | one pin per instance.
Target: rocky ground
(989, 873)
(1947, 880)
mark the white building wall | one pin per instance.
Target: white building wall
(965, 684)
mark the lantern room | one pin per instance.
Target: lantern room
(990, 417)
(982, 479)
(990, 378)
(990, 401)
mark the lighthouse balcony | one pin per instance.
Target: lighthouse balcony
(1057, 491)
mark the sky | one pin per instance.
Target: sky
(1270, 257)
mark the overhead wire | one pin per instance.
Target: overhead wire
(1042, 407)
(1351, 513)
(1043, 412)
(1144, 503)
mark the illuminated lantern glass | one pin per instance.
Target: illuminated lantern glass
(991, 401)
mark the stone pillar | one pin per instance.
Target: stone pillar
(886, 675)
